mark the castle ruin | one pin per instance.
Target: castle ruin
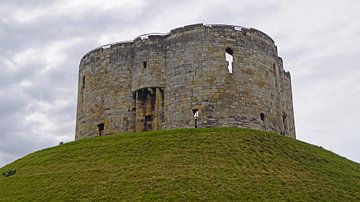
(193, 77)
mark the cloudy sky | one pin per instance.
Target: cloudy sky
(42, 42)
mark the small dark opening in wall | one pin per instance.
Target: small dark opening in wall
(229, 50)
(101, 127)
(262, 116)
(284, 118)
(148, 120)
(229, 58)
(82, 88)
(144, 64)
(284, 123)
(195, 115)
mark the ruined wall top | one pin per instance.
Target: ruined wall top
(186, 29)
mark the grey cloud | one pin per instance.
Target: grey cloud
(27, 4)
(10, 103)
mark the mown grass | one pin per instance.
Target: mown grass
(184, 164)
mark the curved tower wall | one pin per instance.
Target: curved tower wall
(161, 82)
(104, 91)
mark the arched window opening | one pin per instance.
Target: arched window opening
(229, 58)
(262, 116)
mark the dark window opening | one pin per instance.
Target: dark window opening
(229, 58)
(83, 82)
(148, 121)
(262, 116)
(101, 127)
(284, 123)
(82, 88)
(229, 50)
(195, 115)
(144, 64)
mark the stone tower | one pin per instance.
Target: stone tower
(195, 76)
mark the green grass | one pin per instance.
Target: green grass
(184, 164)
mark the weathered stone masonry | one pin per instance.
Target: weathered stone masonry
(184, 79)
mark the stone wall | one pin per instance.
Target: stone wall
(181, 80)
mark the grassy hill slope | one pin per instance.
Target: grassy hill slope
(186, 164)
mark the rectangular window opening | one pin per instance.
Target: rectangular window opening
(101, 128)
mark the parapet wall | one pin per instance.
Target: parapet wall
(182, 80)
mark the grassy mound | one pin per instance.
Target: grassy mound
(186, 164)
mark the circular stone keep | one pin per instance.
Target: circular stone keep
(195, 76)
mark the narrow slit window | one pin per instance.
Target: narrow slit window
(82, 88)
(83, 82)
(284, 123)
(229, 58)
(144, 64)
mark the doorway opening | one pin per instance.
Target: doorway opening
(148, 108)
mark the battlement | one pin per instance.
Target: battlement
(194, 76)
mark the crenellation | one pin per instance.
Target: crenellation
(182, 80)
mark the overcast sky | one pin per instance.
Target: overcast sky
(42, 42)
